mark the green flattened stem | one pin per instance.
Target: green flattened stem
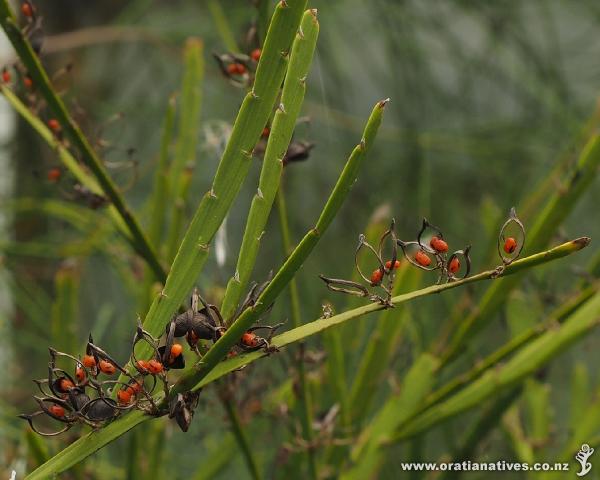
(88, 156)
(322, 324)
(280, 135)
(232, 169)
(220, 349)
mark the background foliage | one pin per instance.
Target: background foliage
(487, 99)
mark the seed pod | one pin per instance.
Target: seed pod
(511, 238)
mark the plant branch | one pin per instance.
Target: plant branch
(93, 441)
(220, 349)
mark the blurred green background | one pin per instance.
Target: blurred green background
(486, 98)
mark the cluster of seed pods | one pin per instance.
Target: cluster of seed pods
(81, 393)
(381, 277)
(429, 252)
(239, 68)
(86, 393)
(203, 321)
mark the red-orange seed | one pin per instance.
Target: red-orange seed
(422, 259)
(54, 125)
(255, 55)
(124, 396)
(57, 410)
(438, 244)
(154, 366)
(66, 384)
(54, 174)
(80, 374)
(388, 264)
(376, 277)
(176, 350)
(107, 367)
(510, 245)
(454, 265)
(142, 365)
(88, 361)
(26, 9)
(249, 339)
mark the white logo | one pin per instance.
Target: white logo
(582, 457)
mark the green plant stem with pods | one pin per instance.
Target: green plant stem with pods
(93, 441)
(282, 128)
(285, 60)
(292, 264)
(320, 325)
(137, 237)
(200, 375)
